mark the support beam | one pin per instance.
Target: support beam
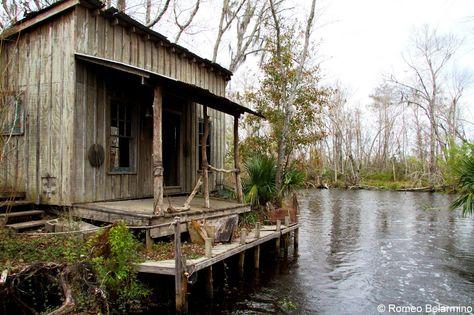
(241, 264)
(285, 244)
(278, 239)
(157, 152)
(205, 164)
(256, 257)
(181, 283)
(238, 180)
(209, 283)
(295, 241)
(148, 240)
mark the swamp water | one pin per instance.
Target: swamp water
(359, 250)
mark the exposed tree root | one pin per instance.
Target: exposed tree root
(71, 279)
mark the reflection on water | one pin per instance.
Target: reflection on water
(359, 249)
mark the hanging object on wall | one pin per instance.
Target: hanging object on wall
(96, 155)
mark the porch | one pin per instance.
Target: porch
(138, 213)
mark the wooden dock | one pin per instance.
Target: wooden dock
(182, 268)
(220, 252)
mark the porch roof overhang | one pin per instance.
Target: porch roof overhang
(187, 90)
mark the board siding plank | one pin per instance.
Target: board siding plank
(118, 40)
(126, 46)
(88, 132)
(55, 109)
(101, 138)
(44, 121)
(68, 110)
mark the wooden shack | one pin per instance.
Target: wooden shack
(105, 109)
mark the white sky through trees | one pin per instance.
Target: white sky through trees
(363, 40)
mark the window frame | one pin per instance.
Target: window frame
(131, 136)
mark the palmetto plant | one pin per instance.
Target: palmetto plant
(259, 187)
(292, 179)
(465, 171)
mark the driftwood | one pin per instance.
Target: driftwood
(421, 189)
(187, 203)
(16, 278)
(427, 189)
(221, 170)
(69, 304)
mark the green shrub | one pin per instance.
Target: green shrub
(113, 256)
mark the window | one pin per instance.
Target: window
(11, 114)
(121, 138)
(208, 143)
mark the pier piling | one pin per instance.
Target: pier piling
(256, 257)
(241, 264)
(295, 241)
(277, 240)
(181, 281)
(209, 283)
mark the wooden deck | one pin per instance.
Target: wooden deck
(139, 212)
(219, 252)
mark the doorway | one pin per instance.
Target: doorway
(171, 148)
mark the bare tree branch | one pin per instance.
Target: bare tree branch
(227, 17)
(185, 25)
(159, 14)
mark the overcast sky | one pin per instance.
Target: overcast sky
(360, 41)
(363, 39)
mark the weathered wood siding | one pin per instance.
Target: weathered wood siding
(41, 67)
(94, 90)
(102, 37)
(66, 109)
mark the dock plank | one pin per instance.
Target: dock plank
(219, 252)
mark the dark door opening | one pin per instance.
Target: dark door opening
(171, 147)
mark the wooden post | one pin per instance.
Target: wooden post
(256, 257)
(205, 164)
(157, 153)
(295, 204)
(148, 240)
(209, 283)
(238, 180)
(243, 236)
(180, 281)
(208, 247)
(241, 264)
(257, 229)
(277, 242)
(285, 244)
(286, 237)
(295, 241)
